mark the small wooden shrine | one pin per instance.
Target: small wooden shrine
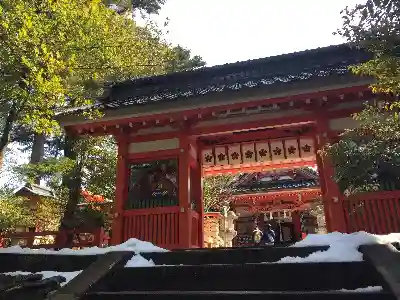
(174, 129)
(34, 193)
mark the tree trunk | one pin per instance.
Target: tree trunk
(37, 153)
(1, 158)
(5, 135)
(73, 182)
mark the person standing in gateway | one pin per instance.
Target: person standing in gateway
(257, 235)
(268, 237)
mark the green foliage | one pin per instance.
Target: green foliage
(374, 25)
(56, 54)
(183, 61)
(385, 69)
(19, 212)
(217, 192)
(14, 211)
(91, 216)
(98, 156)
(48, 214)
(147, 6)
(50, 169)
(368, 157)
(59, 54)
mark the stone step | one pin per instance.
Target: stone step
(10, 262)
(245, 277)
(255, 295)
(229, 255)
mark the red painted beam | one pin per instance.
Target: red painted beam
(179, 115)
(253, 125)
(152, 155)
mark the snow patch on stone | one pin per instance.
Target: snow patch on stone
(343, 247)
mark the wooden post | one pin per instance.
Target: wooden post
(197, 190)
(185, 224)
(296, 225)
(201, 207)
(79, 285)
(324, 189)
(120, 191)
(333, 205)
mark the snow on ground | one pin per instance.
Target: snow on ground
(343, 246)
(47, 274)
(139, 261)
(369, 289)
(133, 245)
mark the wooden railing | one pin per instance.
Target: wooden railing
(56, 239)
(159, 226)
(377, 212)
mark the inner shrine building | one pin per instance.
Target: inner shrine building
(251, 117)
(281, 198)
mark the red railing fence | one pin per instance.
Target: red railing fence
(159, 226)
(56, 239)
(377, 212)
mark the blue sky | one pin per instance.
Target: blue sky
(223, 31)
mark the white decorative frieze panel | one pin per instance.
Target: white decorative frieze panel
(307, 147)
(208, 157)
(234, 154)
(260, 153)
(249, 153)
(263, 152)
(277, 150)
(221, 156)
(292, 149)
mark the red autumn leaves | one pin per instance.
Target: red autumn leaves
(90, 198)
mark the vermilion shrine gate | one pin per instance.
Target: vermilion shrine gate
(253, 116)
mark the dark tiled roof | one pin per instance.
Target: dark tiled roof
(34, 189)
(287, 68)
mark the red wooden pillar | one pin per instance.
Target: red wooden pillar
(197, 190)
(333, 205)
(201, 208)
(296, 225)
(120, 190)
(185, 224)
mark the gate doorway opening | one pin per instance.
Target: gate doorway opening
(262, 182)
